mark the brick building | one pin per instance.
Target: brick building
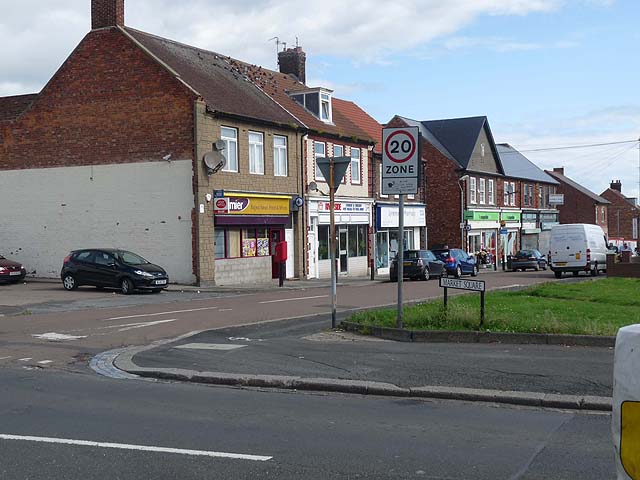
(623, 214)
(580, 204)
(110, 153)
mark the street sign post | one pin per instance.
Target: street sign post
(333, 169)
(462, 284)
(400, 160)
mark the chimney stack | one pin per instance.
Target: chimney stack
(616, 185)
(107, 13)
(559, 170)
(292, 61)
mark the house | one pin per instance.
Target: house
(533, 189)
(623, 215)
(330, 132)
(580, 205)
(386, 208)
(111, 153)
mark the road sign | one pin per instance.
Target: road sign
(461, 284)
(503, 231)
(340, 166)
(400, 158)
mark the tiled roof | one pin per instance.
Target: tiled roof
(566, 180)
(517, 165)
(12, 107)
(429, 137)
(217, 78)
(362, 119)
(235, 87)
(631, 202)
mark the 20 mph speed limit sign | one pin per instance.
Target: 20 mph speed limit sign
(400, 155)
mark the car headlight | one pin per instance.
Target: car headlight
(142, 273)
(2, 269)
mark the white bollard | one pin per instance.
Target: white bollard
(625, 419)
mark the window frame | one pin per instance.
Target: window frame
(253, 150)
(226, 139)
(358, 161)
(317, 174)
(473, 199)
(513, 193)
(277, 150)
(492, 193)
(482, 191)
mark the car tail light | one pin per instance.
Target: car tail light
(67, 258)
(588, 255)
(451, 260)
(532, 258)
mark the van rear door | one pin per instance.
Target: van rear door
(569, 247)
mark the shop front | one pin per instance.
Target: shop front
(247, 229)
(530, 231)
(353, 226)
(510, 225)
(548, 218)
(387, 235)
(481, 228)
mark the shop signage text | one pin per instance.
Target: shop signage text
(343, 207)
(251, 206)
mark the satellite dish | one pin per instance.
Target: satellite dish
(213, 161)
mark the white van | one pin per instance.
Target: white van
(577, 247)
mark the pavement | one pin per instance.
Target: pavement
(306, 354)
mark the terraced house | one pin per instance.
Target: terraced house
(121, 148)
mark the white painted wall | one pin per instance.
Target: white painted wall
(142, 207)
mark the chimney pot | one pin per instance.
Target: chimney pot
(559, 170)
(292, 62)
(616, 185)
(107, 13)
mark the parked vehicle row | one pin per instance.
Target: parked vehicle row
(424, 264)
(112, 268)
(532, 259)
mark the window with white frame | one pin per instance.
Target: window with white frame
(325, 107)
(512, 193)
(319, 151)
(256, 153)
(531, 200)
(505, 193)
(482, 191)
(279, 156)
(492, 195)
(472, 190)
(338, 151)
(380, 177)
(230, 138)
(355, 166)
(526, 194)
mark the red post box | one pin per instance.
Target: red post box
(281, 252)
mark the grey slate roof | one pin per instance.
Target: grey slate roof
(517, 165)
(567, 181)
(426, 134)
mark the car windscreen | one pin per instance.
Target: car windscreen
(130, 258)
(410, 255)
(430, 256)
(524, 254)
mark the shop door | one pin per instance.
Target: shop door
(275, 235)
(342, 250)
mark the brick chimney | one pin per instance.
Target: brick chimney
(559, 170)
(292, 61)
(107, 13)
(616, 185)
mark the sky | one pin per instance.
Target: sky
(546, 73)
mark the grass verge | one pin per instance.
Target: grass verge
(598, 307)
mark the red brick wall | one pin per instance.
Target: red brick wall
(580, 208)
(107, 13)
(621, 215)
(109, 103)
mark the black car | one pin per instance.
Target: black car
(417, 264)
(106, 267)
(524, 259)
(11, 271)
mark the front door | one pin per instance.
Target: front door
(342, 249)
(275, 235)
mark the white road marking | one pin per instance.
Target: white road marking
(210, 346)
(225, 309)
(131, 326)
(44, 362)
(294, 299)
(160, 313)
(25, 359)
(143, 448)
(58, 337)
(5, 358)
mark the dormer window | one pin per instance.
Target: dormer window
(316, 101)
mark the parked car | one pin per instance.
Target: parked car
(11, 271)
(577, 247)
(524, 259)
(106, 267)
(457, 262)
(417, 264)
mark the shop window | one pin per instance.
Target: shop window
(249, 244)
(475, 243)
(262, 236)
(218, 243)
(382, 250)
(233, 243)
(323, 242)
(353, 240)
(363, 239)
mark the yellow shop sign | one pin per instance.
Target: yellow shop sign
(252, 205)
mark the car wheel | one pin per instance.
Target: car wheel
(126, 286)
(475, 271)
(69, 282)
(595, 272)
(458, 272)
(544, 267)
(558, 274)
(426, 275)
